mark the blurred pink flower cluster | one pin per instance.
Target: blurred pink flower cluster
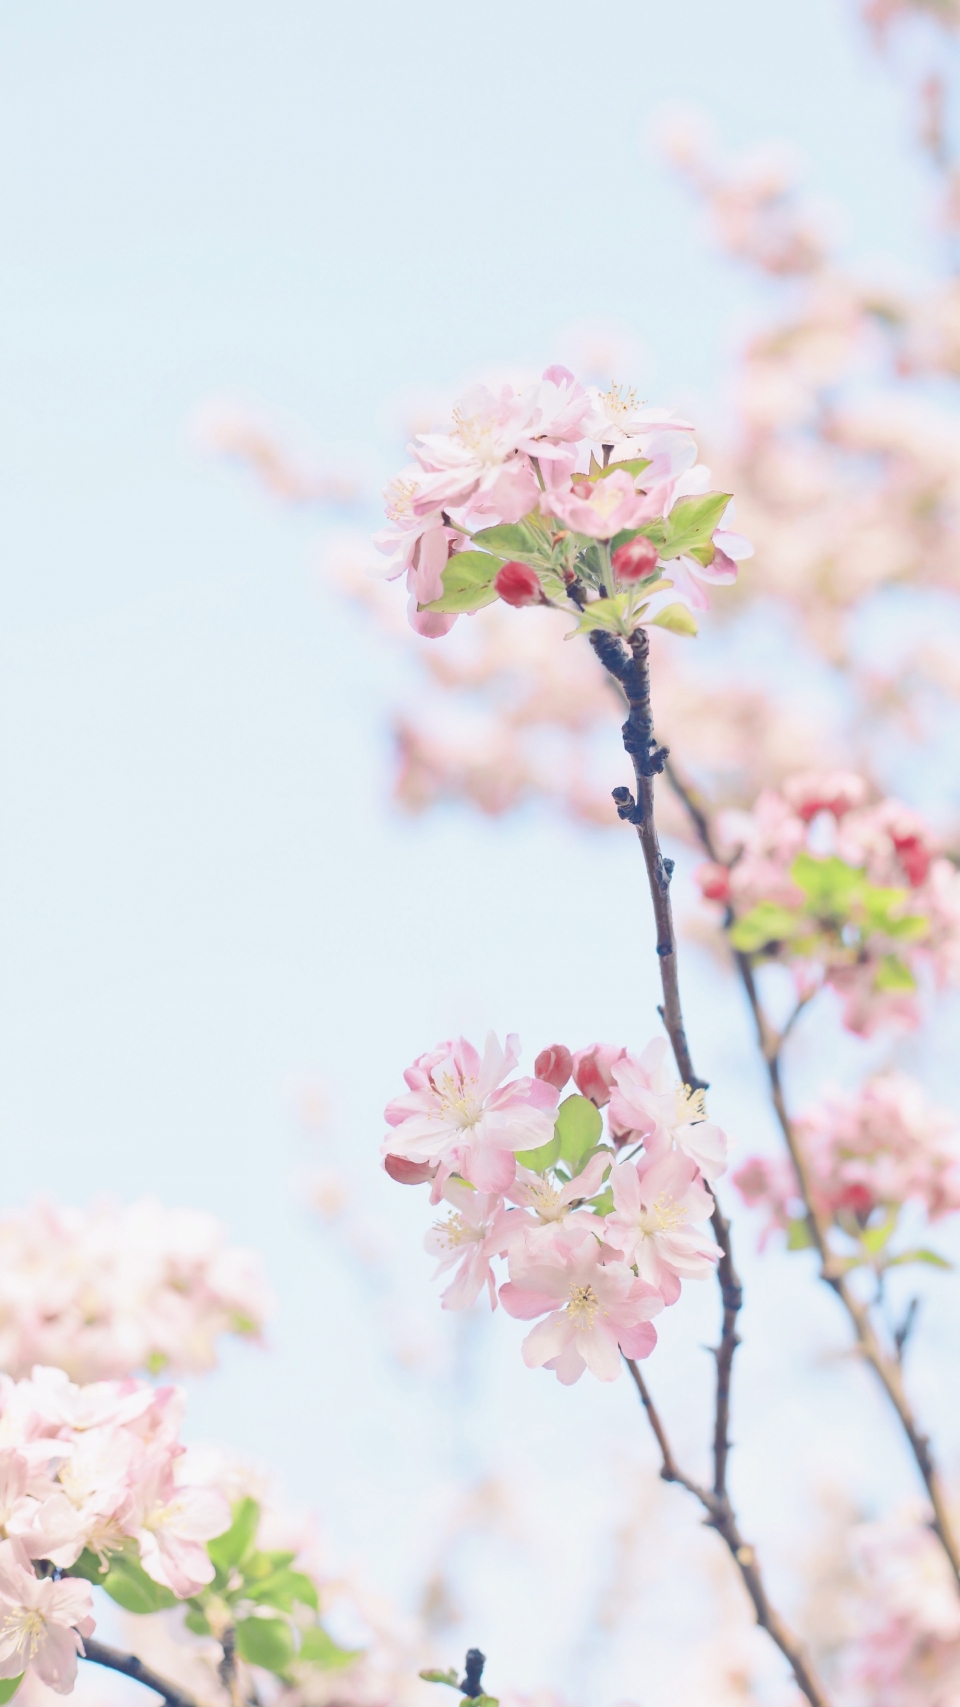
(847, 891)
(106, 1291)
(96, 1468)
(597, 1242)
(868, 1152)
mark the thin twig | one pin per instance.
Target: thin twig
(720, 1516)
(887, 1368)
(130, 1666)
(632, 671)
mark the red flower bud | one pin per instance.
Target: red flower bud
(914, 857)
(408, 1173)
(714, 881)
(517, 584)
(635, 559)
(554, 1066)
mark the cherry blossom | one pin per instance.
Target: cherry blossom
(459, 1115)
(648, 1104)
(594, 1309)
(868, 1153)
(42, 1621)
(108, 1290)
(476, 1230)
(656, 1207)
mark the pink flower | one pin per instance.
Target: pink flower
(554, 1065)
(171, 1524)
(42, 1622)
(554, 414)
(476, 1231)
(648, 1102)
(479, 465)
(457, 1117)
(656, 1206)
(596, 1310)
(810, 792)
(593, 1071)
(599, 508)
(553, 1203)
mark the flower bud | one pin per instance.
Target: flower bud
(714, 881)
(408, 1173)
(554, 1066)
(636, 559)
(591, 1071)
(517, 584)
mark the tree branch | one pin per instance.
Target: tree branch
(632, 671)
(720, 1517)
(130, 1666)
(887, 1368)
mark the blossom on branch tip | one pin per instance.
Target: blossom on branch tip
(518, 585)
(458, 1113)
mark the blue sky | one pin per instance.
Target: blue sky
(205, 898)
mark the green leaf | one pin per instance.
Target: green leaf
(678, 618)
(480, 1701)
(197, 1621)
(873, 1239)
(605, 613)
(892, 975)
(799, 1236)
(578, 1127)
(319, 1649)
(266, 1642)
(127, 1583)
(235, 1543)
(634, 465)
(931, 1257)
(766, 923)
(540, 1160)
(526, 541)
(602, 1204)
(449, 1676)
(831, 887)
(691, 523)
(467, 582)
(9, 1687)
(88, 1567)
(283, 1589)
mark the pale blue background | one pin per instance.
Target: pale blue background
(205, 898)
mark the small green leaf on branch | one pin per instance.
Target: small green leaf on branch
(467, 583)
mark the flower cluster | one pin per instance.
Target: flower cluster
(514, 503)
(85, 1473)
(868, 1153)
(110, 1290)
(598, 1233)
(850, 893)
(95, 1487)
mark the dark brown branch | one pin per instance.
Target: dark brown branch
(720, 1516)
(130, 1666)
(887, 1368)
(632, 671)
